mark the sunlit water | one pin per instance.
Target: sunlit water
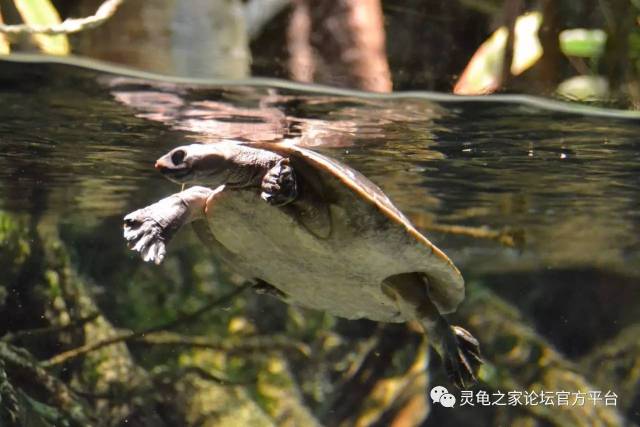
(555, 193)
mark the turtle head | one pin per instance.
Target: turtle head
(202, 163)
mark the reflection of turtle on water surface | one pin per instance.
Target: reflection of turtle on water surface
(314, 229)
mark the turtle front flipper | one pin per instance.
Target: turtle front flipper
(279, 186)
(148, 230)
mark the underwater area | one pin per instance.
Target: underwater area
(535, 201)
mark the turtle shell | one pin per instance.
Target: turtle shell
(335, 252)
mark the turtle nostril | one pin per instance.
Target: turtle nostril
(178, 157)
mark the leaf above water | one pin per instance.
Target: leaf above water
(42, 12)
(583, 43)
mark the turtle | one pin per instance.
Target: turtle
(313, 230)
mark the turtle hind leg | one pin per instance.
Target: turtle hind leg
(458, 349)
(468, 344)
(461, 356)
(279, 185)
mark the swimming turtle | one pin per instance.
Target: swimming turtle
(320, 233)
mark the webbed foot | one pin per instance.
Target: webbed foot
(458, 349)
(279, 185)
(148, 230)
(143, 234)
(462, 357)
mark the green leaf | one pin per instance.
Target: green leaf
(42, 12)
(583, 43)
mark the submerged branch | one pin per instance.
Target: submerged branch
(505, 237)
(189, 317)
(34, 333)
(174, 376)
(246, 345)
(163, 376)
(22, 364)
(10, 410)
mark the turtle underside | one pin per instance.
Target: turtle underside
(333, 248)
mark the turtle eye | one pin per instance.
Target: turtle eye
(177, 157)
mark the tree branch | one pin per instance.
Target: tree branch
(21, 364)
(37, 332)
(79, 351)
(245, 345)
(68, 26)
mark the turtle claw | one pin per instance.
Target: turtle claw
(143, 234)
(462, 358)
(279, 184)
